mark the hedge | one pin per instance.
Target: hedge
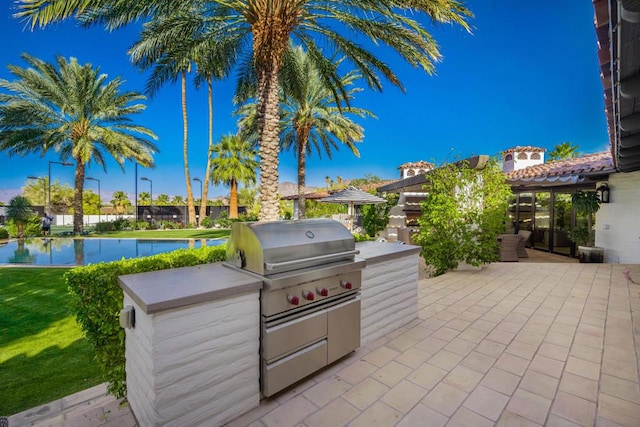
(97, 300)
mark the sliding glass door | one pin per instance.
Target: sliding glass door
(525, 213)
(562, 215)
(542, 203)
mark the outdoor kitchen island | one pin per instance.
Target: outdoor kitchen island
(192, 355)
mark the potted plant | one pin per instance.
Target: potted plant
(586, 203)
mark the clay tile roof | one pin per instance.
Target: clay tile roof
(589, 164)
(418, 164)
(528, 148)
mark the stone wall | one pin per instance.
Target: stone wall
(389, 296)
(194, 365)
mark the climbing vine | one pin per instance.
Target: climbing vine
(463, 214)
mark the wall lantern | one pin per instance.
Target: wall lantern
(603, 193)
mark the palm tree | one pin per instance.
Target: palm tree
(144, 198)
(19, 210)
(566, 150)
(235, 163)
(177, 201)
(171, 44)
(156, 48)
(75, 111)
(120, 202)
(163, 200)
(309, 115)
(267, 26)
(214, 61)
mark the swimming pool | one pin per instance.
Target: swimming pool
(65, 251)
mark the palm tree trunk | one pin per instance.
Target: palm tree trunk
(303, 136)
(78, 214)
(233, 200)
(78, 251)
(268, 127)
(205, 184)
(185, 152)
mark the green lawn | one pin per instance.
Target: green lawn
(43, 355)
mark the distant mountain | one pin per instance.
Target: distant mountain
(291, 188)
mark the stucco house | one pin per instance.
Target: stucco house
(543, 188)
(542, 201)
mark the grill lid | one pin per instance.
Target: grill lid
(268, 248)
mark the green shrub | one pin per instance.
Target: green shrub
(4, 233)
(463, 214)
(121, 223)
(223, 221)
(104, 226)
(142, 225)
(246, 217)
(375, 218)
(205, 222)
(32, 228)
(170, 225)
(97, 301)
(117, 224)
(362, 237)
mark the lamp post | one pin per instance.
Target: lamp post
(136, 195)
(44, 191)
(58, 163)
(88, 178)
(144, 178)
(200, 181)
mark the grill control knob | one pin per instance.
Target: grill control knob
(323, 292)
(308, 295)
(294, 300)
(345, 284)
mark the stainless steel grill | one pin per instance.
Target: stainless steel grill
(310, 301)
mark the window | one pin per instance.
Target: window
(522, 156)
(535, 156)
(508, 157)
(411, 172)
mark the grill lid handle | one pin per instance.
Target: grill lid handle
(325, 258)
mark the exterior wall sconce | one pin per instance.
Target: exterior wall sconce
(603, 193)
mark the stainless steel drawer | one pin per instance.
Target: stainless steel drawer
(281, 374)
(280, 340)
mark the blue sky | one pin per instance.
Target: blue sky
(528, 75)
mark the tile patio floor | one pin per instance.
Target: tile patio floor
(516, 344)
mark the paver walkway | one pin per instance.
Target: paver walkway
(520, 344)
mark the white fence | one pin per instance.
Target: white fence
(88, 219)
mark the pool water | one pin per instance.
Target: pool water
(70, 251)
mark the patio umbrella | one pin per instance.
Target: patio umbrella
(353, 196)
